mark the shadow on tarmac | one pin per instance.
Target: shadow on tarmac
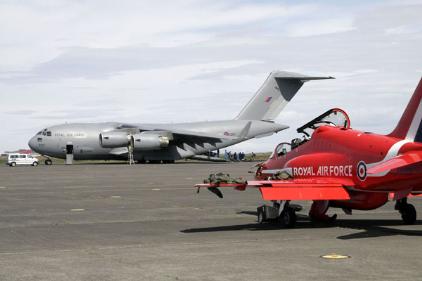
(368, 228)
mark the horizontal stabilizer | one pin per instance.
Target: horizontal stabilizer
(396, 162)
(245, 131)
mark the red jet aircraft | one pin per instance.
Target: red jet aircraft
(336, 166)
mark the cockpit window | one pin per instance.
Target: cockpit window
(44, 132)
(281, 149)
(48, 133)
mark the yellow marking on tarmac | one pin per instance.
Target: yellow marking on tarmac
(334, 256)
(77, 210)
(156, 189)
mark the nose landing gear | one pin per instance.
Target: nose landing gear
(407, 211)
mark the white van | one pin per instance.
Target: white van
(14, 159)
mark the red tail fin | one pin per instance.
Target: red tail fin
(409, 126)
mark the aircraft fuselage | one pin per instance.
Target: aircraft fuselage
(85, 139)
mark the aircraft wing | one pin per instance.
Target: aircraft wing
(396, 162)
(182, 132)
(191, 133)
(296, 189)
(301, 190)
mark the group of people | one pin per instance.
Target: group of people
(229, 156)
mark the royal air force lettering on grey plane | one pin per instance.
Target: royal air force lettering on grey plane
(324, 171)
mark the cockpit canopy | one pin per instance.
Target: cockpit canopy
(335, 117)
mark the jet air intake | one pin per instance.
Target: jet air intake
(151, 140)
(114, 139)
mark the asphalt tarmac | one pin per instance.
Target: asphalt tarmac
(146, 222)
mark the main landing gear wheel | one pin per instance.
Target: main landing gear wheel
(318, 212)
(288, 217)
(407, 211)
(408, 214)
(260, 216)
(48, 162)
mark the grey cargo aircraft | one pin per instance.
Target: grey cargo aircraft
(169, 142)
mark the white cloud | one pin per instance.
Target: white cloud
(35, 32)
(176, 61)
(404, 30)
(320, 27)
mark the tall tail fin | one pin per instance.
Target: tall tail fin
(410, 124)
(279, 88)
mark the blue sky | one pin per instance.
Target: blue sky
(179, 61)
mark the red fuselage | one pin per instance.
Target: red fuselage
(343, 155)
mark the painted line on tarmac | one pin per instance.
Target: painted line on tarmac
(77, 210)
(334, 256)
(116, 197)
(3, 187)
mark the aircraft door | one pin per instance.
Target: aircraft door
(69, 154)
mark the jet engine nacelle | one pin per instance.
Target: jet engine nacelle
(151, 140)
(114, 139)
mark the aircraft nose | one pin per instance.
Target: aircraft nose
(32, 143)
